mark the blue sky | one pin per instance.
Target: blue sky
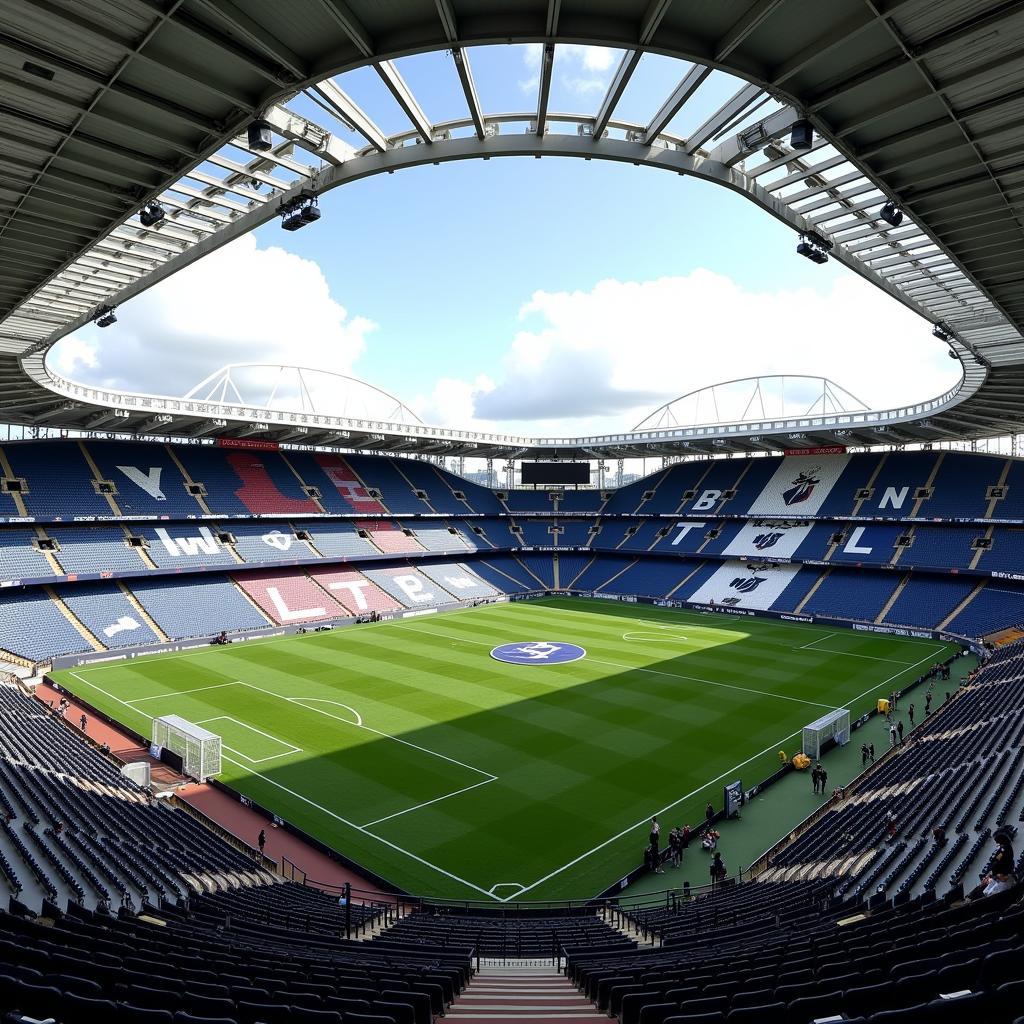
(485, 292)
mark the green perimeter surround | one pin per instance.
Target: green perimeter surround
(405, 746)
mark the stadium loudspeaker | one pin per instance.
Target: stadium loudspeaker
(891, 214)
(259, 137)
(802, 134)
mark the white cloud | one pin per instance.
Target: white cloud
(242, 303)
(600, 360)
(581, 69)
(593, 58)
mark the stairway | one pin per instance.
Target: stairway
(534, 993)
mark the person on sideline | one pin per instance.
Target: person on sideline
(718, 871)
(261, 839)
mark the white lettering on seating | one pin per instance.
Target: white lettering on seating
(123, 625)
(148, 481)
(852, 545)
(413, 589)
(461, 582)
(355, 590)
(205, 543)
(706, 501)
(685, 528)
(286, 614)
(894, 497)
(277, 539)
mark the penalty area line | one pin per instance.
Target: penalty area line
(312, 803)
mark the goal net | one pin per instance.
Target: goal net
(198, 748)
(833, 726)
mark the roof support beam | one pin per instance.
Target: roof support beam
(348, 111)
(617, 86)
(656, 10)
(350, 25)
(554, 9)
(308, 135)
(683, 91)
(89, 77)
(403, 94)
(729, 110)
(448, 23)
(755, 138)
(547, 63)
(254, 33)
(465, 71)
(761, 11)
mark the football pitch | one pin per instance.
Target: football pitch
(405, 746)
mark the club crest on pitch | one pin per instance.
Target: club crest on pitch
(537, 652)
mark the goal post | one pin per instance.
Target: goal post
(833, 726)
(198, 748)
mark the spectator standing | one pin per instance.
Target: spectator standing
(899, 729)
(650, 859)
(83, 722)
(910, 715)
(892, 735)
(863, 754)
(871, 752)
(685, 836)
(822, 778)
(261, 839)
(928, 703)
(655, 836)
(709, 814)
(718, 870)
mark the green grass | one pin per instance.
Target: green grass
(466, 773)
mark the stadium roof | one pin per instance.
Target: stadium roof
(107, 105)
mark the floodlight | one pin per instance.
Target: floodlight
(802, 134)
(260, 139)
(299, 211)
(152, 213)
(891, 214)
(814, 247)
(105, 317)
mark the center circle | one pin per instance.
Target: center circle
(538, 652)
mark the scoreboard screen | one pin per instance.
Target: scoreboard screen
(556, 472)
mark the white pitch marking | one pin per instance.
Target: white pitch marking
(654, 637)
(376, 732)
(427, 803)
(179, 693)
(827, 636)
(312, 803)
(245, 725)
(507, 885)
(337, 703)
